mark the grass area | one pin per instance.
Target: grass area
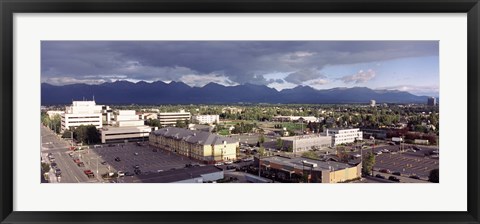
(234, 122)
(223, 132)
(291, 126)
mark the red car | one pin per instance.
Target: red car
(76, 160)
(385, 171)
(89, 173)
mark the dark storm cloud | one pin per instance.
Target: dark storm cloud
(234, 62)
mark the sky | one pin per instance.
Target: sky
(411, 66)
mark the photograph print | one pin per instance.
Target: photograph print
(240, 112)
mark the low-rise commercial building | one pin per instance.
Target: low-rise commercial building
(199, 145)
(295, 119)
(301, 143)
(198, 174)
(171, 118)
(342, 136)
(316, 171)
(126, 127)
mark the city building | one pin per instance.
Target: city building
(171, 118)
(82, 113)
(199, 145)
(106, 115)
(196, 174)
(301, 143)
(372, 103)
(341, 136)
(431, 101)
(316, 171)
(51, 113)
(201, 127)
(376, 133)
(232, 110)
(125, 127)
(295, 119)
(206, 119)
(146, 116)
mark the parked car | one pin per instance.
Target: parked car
(154, 150)
(120, 173)
(129, 174)
(117, 159)
(53, 165)
(218, 163)
(231, 167)
(228, 162)
(58, 172)
(136, 153)
(414, 177)
(385, 171)
(104, 163)
(80, 164)
(379, 176)
(89, 173)
(397, 173)
(159, 171)
(394, 178)
(378, 153)
(136, 166)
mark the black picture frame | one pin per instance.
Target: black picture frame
(9, 7)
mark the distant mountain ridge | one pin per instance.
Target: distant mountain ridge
(124, 92)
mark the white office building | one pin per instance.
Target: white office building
(126, 127)
(171, 118)
(82, 113)
(340, 136)
(302, 143)
(206, 119)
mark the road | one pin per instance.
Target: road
(71, 173)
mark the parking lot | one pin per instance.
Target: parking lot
(406, 164)
(131, 155)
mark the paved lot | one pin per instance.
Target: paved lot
(406, 164)
(147, 160)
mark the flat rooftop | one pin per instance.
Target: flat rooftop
(297, 163)
(170, 176)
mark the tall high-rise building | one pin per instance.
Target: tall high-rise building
(431, 101)
(372, 103)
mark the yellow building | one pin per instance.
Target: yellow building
(315, 170)
(199, 145)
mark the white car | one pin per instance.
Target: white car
(228, 162)
(121, 173)
(357, 156)
(218, 164)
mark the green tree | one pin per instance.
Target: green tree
(290, 149)
(261, 151)
(434, 176)
(86, 134)
(181, 123)
(368, 163)
(279, 143)
(261, 139)
(45, 167)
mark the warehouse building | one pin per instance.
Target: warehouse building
(199, 145)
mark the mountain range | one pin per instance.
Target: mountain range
(124, 92)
